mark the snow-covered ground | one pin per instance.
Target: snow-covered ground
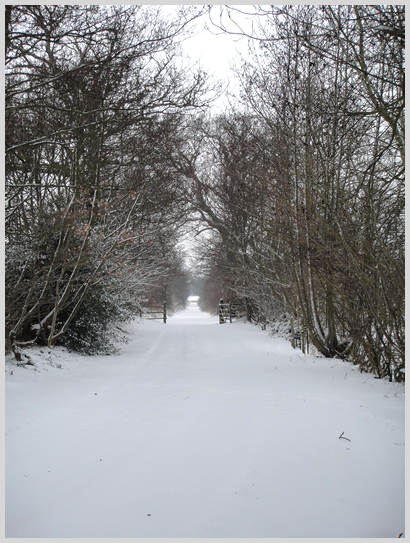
(202, 430)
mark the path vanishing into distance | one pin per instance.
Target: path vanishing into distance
(197, 429)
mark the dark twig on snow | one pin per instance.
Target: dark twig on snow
(346, 438)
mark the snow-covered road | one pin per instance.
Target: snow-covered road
(202, 430)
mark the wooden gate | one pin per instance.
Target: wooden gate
(155, 312)
(225, 312)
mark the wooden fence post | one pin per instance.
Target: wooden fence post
(164, 306)
(307, 340)
(221, 315)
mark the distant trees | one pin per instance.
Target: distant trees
(93, 97)
(233, 195)
(320, 225)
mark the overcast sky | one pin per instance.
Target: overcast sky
(216, 51)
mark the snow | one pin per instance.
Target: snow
(201, 430)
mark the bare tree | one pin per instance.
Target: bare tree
(92, 96)
(329, 85)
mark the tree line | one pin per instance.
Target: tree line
(303, 189)
(296, 191)
(94, 96)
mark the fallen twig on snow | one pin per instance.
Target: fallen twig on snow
(346, 438)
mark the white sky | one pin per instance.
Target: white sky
(216, 51)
